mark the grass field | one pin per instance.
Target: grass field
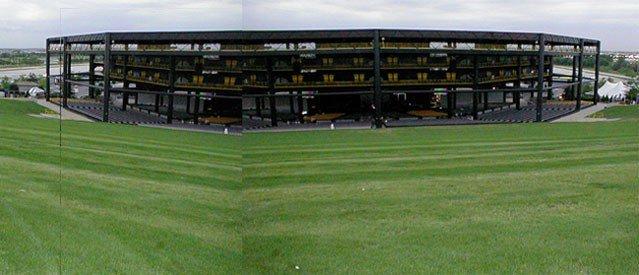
(561, 198)
(627, 112)
(134, 199)
(530, 198)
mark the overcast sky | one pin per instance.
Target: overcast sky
(26, 23)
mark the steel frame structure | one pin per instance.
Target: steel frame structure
(260, 72)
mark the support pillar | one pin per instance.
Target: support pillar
(47, 85)
(91, 75)
(485, 100)
(300, 107)
(171, 91)
(196, 107)
(573, 88)
(291, 103)
(157, 103)
(107, 79)
(125, 84)
(449, 103)
(188, 102)
(475, 86)
(66, 72)
(377, 80)
(550, 82)
(595, 94)
(580, 78)
(517, 94)
(258, 106)
(271, 91)
(540, 77)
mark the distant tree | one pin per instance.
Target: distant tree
(632, 94)
(620, 63)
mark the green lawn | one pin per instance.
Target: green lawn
(529, 198)
(627, 112)
(533, 198)
(134, 199)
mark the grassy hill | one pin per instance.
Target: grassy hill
(560, 198)
(625, 112)
(526, 198)
(131, 199)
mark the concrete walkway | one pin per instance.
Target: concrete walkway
(66, 114)
(582, 116)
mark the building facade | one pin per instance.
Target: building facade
(258, 79)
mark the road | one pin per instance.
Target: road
(14, 73)
(589, 73)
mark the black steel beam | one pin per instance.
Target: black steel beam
(47, 84)
(596, 84)
(580, 76)
(271, 91)
(475, 86)
(517, 84)
(540, 77)
(377, 80)
(106, 72)
(125, 83)
(169, 113)
(91, 75)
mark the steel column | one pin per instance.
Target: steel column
(65, 75)
(67, 64)
(475, 85)
(596, 87)
(271, 91)
(549, 92)
(573, 78)
(91, 75)
(291, 102)
(196, 107)
(157, 104)
(485, 101)
(449, 103)
(47, 85)
(258, 106)
(540, 77)
(106, 94)
(125, 95)
(169, 112)
(188, 102)
(300, 107)
(580, 74)
(517, 95)
(377, 80)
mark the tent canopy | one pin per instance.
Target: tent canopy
(614, 91)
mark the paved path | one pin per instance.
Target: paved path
(582, 116)
(66, 114)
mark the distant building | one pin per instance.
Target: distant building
(25, 86)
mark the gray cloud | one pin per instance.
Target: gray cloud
(615, 22)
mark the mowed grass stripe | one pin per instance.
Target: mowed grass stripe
(114, 142)
(204, 162)
(448, 162)
(401, 146)
(357, 139)
(419, 172)
(436, 153)
(327, 157)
